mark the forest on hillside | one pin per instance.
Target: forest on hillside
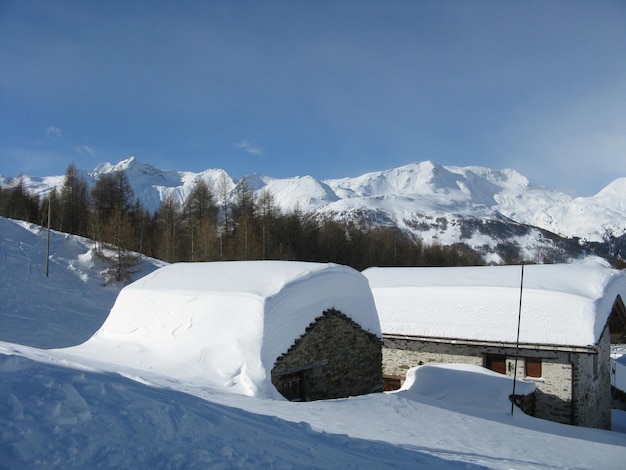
(213, 226)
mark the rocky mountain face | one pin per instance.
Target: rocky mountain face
(492, 211)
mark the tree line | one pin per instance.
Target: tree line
(214, 224)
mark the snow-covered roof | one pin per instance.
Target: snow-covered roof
(226, 323)
(562, 304)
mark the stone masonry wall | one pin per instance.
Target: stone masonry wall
(592, 381)
(554, 388)
(352, 358)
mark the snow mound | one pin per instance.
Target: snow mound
(224, 324)
(481, 388)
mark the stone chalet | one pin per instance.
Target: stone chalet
(569, 313)
(308, 331)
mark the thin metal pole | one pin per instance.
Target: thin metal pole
(519, 320)
(48, 242)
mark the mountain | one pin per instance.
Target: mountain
(481, 207)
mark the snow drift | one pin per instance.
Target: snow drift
(482, 388)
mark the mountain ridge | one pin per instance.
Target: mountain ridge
(434, 202)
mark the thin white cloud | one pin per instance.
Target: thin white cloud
(247, 146)
(54, 131)
(86, 150)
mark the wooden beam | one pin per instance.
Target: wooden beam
(293, 370)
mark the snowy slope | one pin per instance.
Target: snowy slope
(596, 217)
(418, 192)
(68, 411)
(63, 309)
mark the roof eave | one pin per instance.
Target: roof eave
(499, 344)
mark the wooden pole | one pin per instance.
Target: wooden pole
(519, 320)
(48, 241)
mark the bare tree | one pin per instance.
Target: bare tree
(243, 215)
(200, 212)
(74, 202)
(168, 221)
(223, 192)
(267, 211)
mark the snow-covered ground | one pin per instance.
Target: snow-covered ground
(65, 308)
(63, 410)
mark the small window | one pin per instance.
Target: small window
(392, 382)
(496, 363)
(533, 367)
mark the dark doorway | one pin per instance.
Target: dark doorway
(295, 383)
(292, 386)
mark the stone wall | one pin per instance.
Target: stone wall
(592, 386)
(554, 388)
(335, 358)
(399, 355)
(554, 400)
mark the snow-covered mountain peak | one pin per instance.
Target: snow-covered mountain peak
(448, 185)
(415, 178)
(301, 192)
(129, 165)
(256, 182)
(211, 176)
(506, 178)
(614, 192)
(408, 196)
(108, 167)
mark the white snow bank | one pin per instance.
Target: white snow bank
(55, 412)
(462, 385)
(224, 324)
(562, 304)
(54, 416)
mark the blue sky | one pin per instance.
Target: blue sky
(324, 88)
